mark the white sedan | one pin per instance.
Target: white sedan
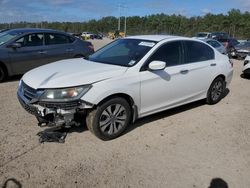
(246, 68)
(87, 34)
(125, 80)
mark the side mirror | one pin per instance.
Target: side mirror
(157, 65)
(15, 45)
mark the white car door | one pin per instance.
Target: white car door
(159, 88)
(202, 67)
(182, 81)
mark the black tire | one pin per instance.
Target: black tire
(114, 114)
(245, 75)
(3, 74)
(216, 91)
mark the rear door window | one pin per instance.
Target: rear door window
(55, 38)
(214, 43)
(197, 51)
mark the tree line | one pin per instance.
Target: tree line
(235, 22)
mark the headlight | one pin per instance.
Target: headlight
(246, 62)
(64, 94)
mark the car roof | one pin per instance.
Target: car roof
(155, 38)
(205, 40)
(34, 30)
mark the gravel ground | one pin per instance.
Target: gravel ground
(184, 147)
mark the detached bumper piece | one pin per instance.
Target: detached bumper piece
(53, 135)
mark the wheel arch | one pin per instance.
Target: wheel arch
(222, 76)
(218, 76)
(128, 98)
(2, 65)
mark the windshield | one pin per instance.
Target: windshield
(7, 35)
(201, 35)
(123, 52)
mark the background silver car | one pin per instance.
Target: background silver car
(217, 45)
(24, 49)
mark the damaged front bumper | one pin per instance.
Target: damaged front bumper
(51, 113)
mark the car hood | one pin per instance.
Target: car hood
(200, 38)
(71, 72)
(242, 49)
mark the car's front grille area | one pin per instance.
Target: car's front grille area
(28, 92)
(60, 105)
(29, 108)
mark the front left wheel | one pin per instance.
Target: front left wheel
(109, 119)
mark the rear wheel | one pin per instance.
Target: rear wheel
(216, 91)
(109, 119)
(2, 74)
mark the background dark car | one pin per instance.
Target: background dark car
(242, 49)
(98, 36)
(219, 35)
(229, 44)
(25, 49)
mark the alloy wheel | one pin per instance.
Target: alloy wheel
(216, 90)
(113, 119)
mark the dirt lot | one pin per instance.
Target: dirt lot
(184, 147)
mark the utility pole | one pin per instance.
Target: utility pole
(125, 25)
(119, 19)
(125, 19)
(122, 7)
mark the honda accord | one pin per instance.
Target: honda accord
(125, 80)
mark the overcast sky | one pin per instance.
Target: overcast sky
(83, 10)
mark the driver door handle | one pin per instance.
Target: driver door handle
(42, 52)
(69, 50)
(184, 71)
